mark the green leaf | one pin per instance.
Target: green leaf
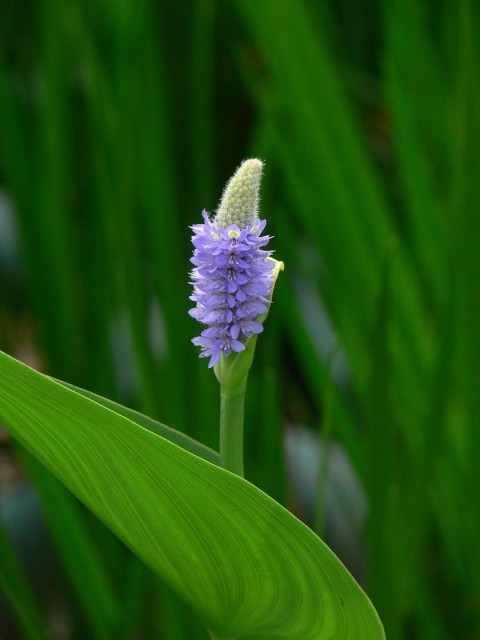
(175, 436)
(77, 550)
(245, 564)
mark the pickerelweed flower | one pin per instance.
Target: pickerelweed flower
(232, 275)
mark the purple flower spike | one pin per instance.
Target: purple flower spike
(232, 280)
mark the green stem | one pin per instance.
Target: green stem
(231, 432)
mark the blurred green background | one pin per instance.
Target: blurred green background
(119, 121)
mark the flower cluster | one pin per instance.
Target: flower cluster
(232, 279)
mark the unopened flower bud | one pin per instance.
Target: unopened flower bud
(239, 203)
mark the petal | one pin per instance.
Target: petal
(214, 359)
(235, 331)
(237, 346)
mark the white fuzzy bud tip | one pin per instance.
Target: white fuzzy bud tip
(239, 203)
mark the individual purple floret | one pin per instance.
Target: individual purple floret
(232, 280)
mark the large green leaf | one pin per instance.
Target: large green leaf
(175, 436)
(248, 566)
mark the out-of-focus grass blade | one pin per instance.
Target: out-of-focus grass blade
(16, 134)
(384, 490)
(264, 435)
(52, 217)
(14, 584)
(418, 100)
(311, 361)
(463, 429)
(165, 239)
(115, 190)
(202, 100)
(325, 435)
(203, 128)
(433, 626)
(416, 95)
(246, 565)
(466, 240)
(324, 162)
(139, 582)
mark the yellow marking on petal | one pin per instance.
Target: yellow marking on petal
(254, 229)
(233, 234)
(214, 235)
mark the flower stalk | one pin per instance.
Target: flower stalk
(231, 432)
